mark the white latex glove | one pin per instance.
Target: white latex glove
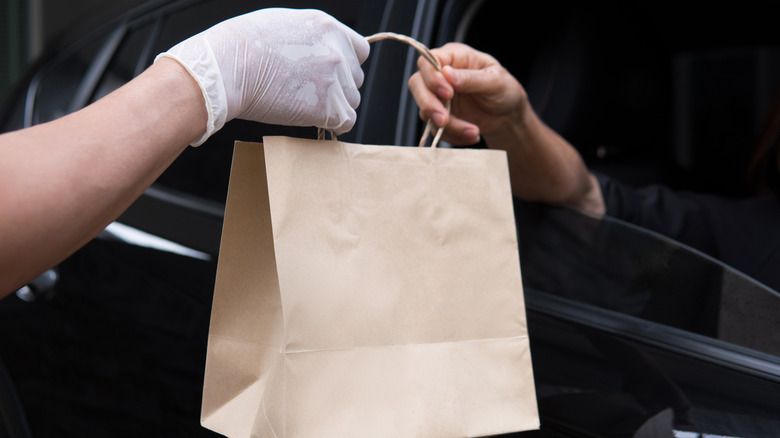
(297, 67)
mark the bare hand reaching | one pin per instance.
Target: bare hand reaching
(484, 94)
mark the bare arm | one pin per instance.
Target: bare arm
(64, 181)
(489, 102)
(543, 166)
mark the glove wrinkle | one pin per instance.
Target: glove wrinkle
(295, 67)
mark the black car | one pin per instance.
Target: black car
(632, 333)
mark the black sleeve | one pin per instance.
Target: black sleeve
(683, 216)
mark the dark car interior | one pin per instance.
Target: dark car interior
(646, 93)
(112, 342)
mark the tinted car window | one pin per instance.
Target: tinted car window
(620, 267)
(645, 320)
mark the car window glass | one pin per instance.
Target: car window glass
(617, 266)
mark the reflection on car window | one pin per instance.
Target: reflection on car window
(617, 266)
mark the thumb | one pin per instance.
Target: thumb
(469, 81)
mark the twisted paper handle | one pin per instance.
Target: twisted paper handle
(426, 53)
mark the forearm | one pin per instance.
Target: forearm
(64, 181)
(543, 165)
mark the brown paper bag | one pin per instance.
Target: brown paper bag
(368, 291)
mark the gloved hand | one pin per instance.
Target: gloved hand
(277, 66)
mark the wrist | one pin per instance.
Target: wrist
(169, 99)
(207, 84)
(516, 127)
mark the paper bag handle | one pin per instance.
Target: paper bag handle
(426, 53)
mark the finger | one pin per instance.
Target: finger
(431, 107)
(356, 42)
(462, 56)
(434, 80)
(358, 75)
(343, 116)
(361, 46)
(485, 81)
(459, 132)
(352, 94)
